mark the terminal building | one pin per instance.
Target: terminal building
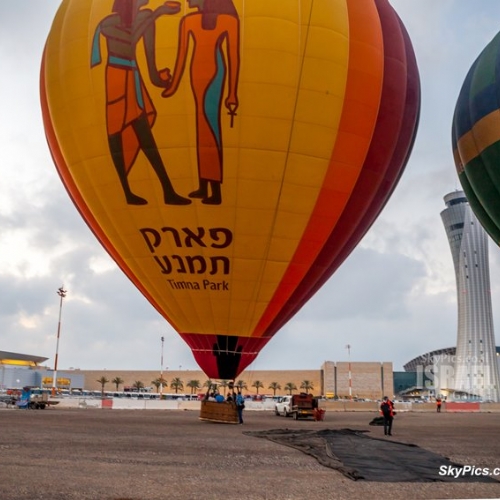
(432, 374)
(21, 370)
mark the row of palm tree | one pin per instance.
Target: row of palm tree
(177, 385)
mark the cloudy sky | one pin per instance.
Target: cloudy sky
(393, 299)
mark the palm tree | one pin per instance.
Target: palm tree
(258, 385)
(193, 385)
(274, 386)
(209, 384)
(176, 384)
(138, 385)
(290, 386)
(159, 382)
(163, 382)
(117, 381)
(307, 385)
(224, 383)
(103, 381)
(241, 385)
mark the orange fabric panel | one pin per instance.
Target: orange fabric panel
(359, 117)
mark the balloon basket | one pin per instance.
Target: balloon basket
(224, 412)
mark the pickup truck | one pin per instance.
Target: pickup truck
(296, 406)
(282, 406)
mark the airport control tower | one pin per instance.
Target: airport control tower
(476, 372)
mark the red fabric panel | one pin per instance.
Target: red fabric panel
(221, 356)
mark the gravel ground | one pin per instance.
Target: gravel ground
(58, 454)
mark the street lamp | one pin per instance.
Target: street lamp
(62, 293)
(161, 367)
(348, 347)
(469, 370)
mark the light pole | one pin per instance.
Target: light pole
(62, 293)
(161, 369)
(469, 369)
(348, 347)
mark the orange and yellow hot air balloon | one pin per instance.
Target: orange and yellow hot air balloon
(229, 154)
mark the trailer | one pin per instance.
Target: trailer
(303, 406)
(27, 400)
(41, 401)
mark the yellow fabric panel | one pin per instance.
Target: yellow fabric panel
(484, 133)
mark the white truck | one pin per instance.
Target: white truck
(296, 406)
(282, 406)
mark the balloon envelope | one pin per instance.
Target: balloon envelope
(476, 138)
(229, 156)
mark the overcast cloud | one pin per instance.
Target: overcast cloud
(393, 299)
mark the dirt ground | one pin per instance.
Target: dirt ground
(58, 454)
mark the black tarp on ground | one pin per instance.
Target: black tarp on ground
(359, 456)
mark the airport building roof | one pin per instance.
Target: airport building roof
(17, 359)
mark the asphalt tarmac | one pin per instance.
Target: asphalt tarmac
(101, 454)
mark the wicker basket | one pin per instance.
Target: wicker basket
(225, 412)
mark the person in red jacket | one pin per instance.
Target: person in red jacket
(438, 405)
(387, 411)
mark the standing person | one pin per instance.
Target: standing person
(214, 25)
(25, 398)
(130, 113)
(387, 410)
(438, 404)
(240, 406)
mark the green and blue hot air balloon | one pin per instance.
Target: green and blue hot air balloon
(476, 138)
